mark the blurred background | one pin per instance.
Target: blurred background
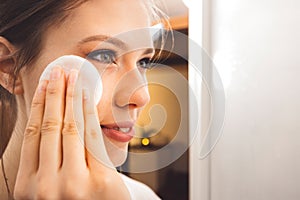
(254, 47)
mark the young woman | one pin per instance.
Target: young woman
(42, 156)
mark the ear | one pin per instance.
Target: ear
(7, 78)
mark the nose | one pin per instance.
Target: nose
(132, 91)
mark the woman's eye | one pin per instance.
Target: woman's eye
(145, 63)
(103, 55)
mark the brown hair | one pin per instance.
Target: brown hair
(23, 23)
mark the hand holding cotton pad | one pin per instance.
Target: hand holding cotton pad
(90, 77)
(90, 80)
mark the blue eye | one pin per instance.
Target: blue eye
(145, 63)
(103, 56)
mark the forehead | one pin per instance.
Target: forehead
(105, 17)
(107, 13)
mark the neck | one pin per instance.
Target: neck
(11, 156)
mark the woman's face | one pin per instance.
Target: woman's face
(120, 62)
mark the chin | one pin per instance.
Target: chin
(117, 151)
(118, 159)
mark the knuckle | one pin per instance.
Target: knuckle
(37, 103)
(71, 185)
(90, 111)
(32, 129)
(107, 182)
(93, 134)
(70, 128)
(71, 93)
(50, 126)
(43, 191)
(52, 89)
(40, 194)
(21, 192)
(70, 194)
(20, 196)
(104, 183)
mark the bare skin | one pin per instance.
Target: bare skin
(45, 158)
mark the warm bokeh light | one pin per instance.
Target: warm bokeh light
(145, 141)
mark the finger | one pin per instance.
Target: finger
(50, 146)
(95, 147)
(72, 134)
(30, 149)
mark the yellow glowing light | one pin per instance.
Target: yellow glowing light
(145, 141)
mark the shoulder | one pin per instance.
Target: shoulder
(138, 190)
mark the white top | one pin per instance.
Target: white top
(138, 190)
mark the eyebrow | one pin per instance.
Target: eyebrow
(149, 51)
(105, 38)
(112, 40)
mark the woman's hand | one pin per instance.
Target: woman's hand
(54, 162)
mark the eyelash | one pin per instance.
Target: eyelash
(148, 63)
(111, 55)
(106, 56)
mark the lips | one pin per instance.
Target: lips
(121, 132)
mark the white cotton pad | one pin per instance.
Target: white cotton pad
(87, 72)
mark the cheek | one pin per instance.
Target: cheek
(105, 106)
(29, 90)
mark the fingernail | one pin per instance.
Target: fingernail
(86, 94)
(73, 76)
(55, 73)
(42, 86)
